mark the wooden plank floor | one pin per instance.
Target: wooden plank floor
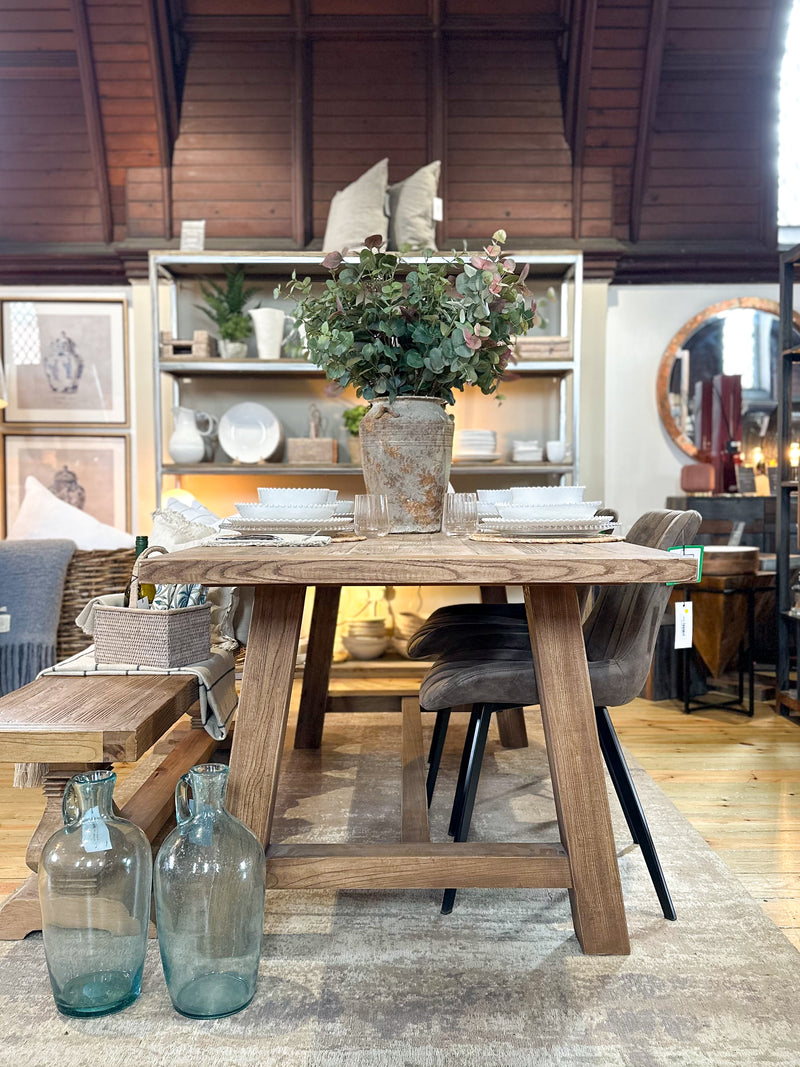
(736, 780)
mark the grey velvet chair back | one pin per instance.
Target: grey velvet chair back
(621, 630)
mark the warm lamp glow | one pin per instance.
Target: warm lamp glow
(758, 456)
(794, 454)
(183, 495)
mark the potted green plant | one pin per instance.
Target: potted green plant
(351, 418)
(225, 306)
(406, 341)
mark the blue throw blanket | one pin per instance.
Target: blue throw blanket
(31, 589)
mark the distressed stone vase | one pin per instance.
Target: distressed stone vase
(406, 448)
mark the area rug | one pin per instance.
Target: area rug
(382, 979)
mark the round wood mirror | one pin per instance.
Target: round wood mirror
(739, 336)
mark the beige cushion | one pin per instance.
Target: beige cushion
(411, 209)
(44, 515)
(357, 211)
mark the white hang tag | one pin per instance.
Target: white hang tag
(5, 620)
(683, 624)
(94, 832)
(438, 209)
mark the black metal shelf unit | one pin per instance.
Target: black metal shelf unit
(787, 693)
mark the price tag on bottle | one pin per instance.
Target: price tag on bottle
(94, 832)
(683, 624)
(5, 620)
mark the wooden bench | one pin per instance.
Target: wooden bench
(77, 724)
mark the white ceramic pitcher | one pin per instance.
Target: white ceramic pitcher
(268, 324)
(187, 444)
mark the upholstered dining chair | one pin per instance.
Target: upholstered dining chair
(483, 659)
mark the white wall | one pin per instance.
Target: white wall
(642, 464)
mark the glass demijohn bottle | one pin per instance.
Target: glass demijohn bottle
(209, 893)
(95, 876)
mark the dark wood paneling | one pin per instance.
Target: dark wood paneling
(388, 120)
(238, 180)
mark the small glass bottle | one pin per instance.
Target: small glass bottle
(145, 589)
(94, 889)
(209, 892)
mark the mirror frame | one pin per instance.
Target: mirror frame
(757, 303)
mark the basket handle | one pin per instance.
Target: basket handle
(133, 600)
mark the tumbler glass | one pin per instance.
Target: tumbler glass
(460, 516)
(371, 515)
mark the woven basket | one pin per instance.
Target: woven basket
(89, 574)
(148, 637)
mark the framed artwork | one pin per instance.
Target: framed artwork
(65, 361)
(91, 473)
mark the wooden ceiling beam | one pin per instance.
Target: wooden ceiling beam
(249, 28)
(648, 102)
(164, 103)
(94, 124)
(579, 80)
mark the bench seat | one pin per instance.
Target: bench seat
(73, 724)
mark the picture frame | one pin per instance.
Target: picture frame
(88, 472)
(65, 361)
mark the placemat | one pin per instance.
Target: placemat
(569, 539)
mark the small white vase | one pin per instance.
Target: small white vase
(187, 444)
(268, 323)
(233, 349)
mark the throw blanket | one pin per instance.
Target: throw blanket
(216, 677)
(31, 589)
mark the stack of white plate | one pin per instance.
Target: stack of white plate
(475, 446)
(292, 510)
(527, 452)
(542, 511)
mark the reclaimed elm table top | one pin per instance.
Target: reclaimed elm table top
(584, 860)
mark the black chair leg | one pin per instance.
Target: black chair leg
(462, 770)
(629, 799)
(473, 750)
(435, 752)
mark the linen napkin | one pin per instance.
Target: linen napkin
(216, 678)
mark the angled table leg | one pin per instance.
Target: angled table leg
(511, 722)
(316, 673)
(264, 705)
(576, 767)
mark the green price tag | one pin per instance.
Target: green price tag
(693, 552)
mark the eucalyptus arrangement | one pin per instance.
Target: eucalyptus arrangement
(441, 326)
(225, 305)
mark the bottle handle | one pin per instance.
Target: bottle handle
(183, 808)
(70, 810)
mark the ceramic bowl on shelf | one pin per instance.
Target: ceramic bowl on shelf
(274, 512)
(365, 647)
(250, 433)
(292, 497)
(547, 494)
(543, 512)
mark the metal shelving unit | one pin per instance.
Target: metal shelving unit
(787, 694)
(564, 270)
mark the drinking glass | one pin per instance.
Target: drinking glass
(371, 515)
(460, 516)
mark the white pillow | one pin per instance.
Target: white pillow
(173, 531)
(42, 515)
(411, 209)
(357, 211)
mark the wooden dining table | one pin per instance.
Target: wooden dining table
(550, 574)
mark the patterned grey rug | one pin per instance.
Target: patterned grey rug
(378, 979)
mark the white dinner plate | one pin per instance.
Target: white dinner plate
(548, 527)
(477, 457)
(250, 432)
(254, 527)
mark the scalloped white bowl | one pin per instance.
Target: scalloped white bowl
(547, 494)
(273, 513)
(567, 512)
(286, 497)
